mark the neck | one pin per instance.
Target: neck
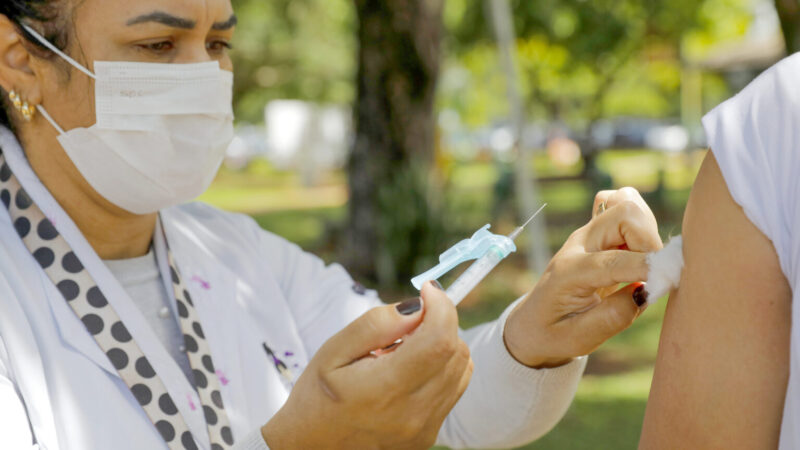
(112, 232)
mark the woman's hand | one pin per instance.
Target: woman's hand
(398, 399)
(568, 313)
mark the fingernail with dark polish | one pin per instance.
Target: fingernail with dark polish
(640, 296)
(409, 306)
(437, 285)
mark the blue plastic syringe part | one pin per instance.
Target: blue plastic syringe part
(486, 247)
(468, 249)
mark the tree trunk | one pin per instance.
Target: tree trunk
(789, 13)
(398, 66)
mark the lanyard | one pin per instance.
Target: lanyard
(54, 254)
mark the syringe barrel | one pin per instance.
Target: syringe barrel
(474, 274)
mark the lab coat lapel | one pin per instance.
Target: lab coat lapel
(248, 375)
(70, 327)
(212, 288)
(22, 316)
(242, 308)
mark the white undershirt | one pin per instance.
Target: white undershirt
(142, 281)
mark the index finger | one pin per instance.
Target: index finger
(625, 194)
(418, 360)
(429, 347)
(609, 317)
(624, 223)
(440, 314)
(610, 267)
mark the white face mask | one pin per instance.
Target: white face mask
(161, 134)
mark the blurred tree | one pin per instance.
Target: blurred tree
(292, 49)
(789, 13)
(582, 61)
(392, 216)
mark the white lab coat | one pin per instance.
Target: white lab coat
(58, 390)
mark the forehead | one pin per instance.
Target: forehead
(120, 12)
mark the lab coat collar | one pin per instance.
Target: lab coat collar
(72, 330)
(69, 326)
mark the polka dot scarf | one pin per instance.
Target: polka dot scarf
(83, 295)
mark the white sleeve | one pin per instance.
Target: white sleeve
(755, 140)
(14, 425)
(507, 404)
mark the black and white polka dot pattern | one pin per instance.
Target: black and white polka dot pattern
(199, 353)
(83, 295)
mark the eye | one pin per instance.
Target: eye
(219, 46)
(158, 47)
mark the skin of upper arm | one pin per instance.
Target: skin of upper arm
(723, 359)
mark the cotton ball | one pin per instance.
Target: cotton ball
(665, 269)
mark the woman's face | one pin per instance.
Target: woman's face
(153, 31)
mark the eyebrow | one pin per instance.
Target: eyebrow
(164, 19)
(179, 22)
(227, 25)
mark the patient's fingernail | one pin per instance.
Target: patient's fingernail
(640, 296)
(437, 285)
(409, 306)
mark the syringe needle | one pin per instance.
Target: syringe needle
(533, 216)
(515, 234)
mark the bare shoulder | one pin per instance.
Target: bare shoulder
(723, 359)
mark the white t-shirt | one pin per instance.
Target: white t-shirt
(755, 138)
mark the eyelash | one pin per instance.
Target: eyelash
(158, 47)
(224, 44)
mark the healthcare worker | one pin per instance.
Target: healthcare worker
(130, 320)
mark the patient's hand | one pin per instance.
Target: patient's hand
(723, 360)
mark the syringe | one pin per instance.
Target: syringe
(480, 268)
(486, 248)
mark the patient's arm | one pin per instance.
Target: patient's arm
(723, 359)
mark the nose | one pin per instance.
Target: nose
(195, 52)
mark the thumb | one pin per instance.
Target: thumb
(611, 316)
(375, 329)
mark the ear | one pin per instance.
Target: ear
(15, 70)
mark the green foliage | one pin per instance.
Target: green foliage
(584, 60)
(298, 49)
(719, 21)
(578, 59)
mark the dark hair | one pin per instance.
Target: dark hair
(31, 12)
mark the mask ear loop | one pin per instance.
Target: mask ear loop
(47, 116)
(67, 58)
(58, 52)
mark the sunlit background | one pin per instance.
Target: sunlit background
(377, 134)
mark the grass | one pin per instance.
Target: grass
(609, 406)
(606, 414)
